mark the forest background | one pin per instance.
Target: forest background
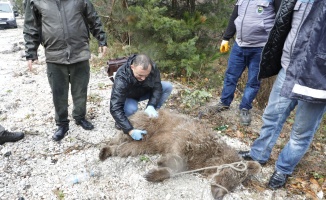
(183, 37)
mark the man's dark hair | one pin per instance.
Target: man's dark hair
(142, 60)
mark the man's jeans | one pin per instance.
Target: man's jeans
(240, 58)
(131, 105)
(59, 76)
(307, 120)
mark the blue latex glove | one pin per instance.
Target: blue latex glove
(151, 112)
(137, 134)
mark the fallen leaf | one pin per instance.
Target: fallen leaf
(282, 135)
(314, 182)
(240, 134)
(317, 146)
(311, 195)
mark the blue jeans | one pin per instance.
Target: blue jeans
(240, 58)
(131, 105)
(307, 120)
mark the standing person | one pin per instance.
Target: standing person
(252, 21)
(6, 136)
(296, 52)
(137, 80)
(63, 27)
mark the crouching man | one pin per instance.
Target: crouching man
(137, 80)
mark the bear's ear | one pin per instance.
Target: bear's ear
(253, 167)
(218, 192)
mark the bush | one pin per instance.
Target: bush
(180, 36)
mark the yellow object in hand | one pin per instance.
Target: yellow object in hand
(224, 46)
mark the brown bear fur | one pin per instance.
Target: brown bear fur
(185, 144)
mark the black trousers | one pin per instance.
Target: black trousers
(59, 76)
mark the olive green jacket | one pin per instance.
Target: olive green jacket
(63, 27)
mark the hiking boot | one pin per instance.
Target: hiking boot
(60, 133)
(220, 107)
(277, 180)
(117, 126)
(245, 117)
(213, 109)
(85, 124)
(246, 156)
(7, 136)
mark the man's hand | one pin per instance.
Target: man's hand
(29, 64)
(137, 134)
(224, 46)
(102, 50)
(151, 112)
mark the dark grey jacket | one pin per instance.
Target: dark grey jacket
(62, 26)
(127, 86)
(306, 73)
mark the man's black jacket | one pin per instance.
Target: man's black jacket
(127, 86)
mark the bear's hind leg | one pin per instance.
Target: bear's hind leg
(158, 174)
(226, 180)
(173, 161)
(107, 151)
(167, 166)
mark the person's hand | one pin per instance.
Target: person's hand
(30, 64)
(151, 112)
(224, 46)
(137, 134)
(102, 50)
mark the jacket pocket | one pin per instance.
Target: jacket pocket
(264, 4)
(264, 10)
(321, 63)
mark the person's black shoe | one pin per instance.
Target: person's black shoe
(7, 136)
(246, 156)
(117, 126)
(245, 117)
(85, 124)
(60, 133)
(277, 180)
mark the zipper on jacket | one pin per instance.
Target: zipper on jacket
(66, 30)
(296, 34)
(68, 50)
(58, 3)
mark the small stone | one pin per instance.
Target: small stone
(7, 154)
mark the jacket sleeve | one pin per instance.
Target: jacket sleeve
(271, 55)
(94, 23)
(32, 31)
(277, 5)
(117, 102)
(230, 30)
(157, 89)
